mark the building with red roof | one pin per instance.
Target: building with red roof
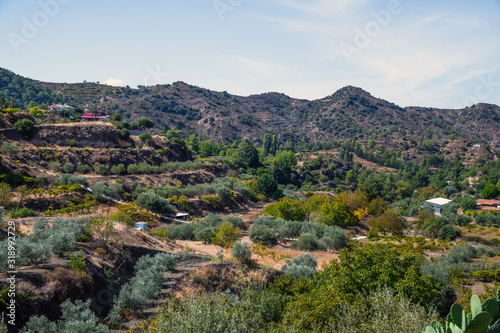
(94, 116)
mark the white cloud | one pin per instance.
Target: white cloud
(259, 66)
(113, 82)
(322, 7)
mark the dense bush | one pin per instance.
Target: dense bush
(117, 169)
(308, 242)
(269, 230)
(55, 166)
(146, 138)
(488, 220)
(101, 169)
(223, 193)
(71, 180)
(22, 212)
(237, 222)
(122, 217)
(76, 317)
(242, 252)
(8, 148)
(153, 202)
(448, 232)
(264, 235)
(204, 230)
(459, 258)
(336, 237)
(380, 312)
(68, 167)
(198, 190)
(144, 286)
(144, 168)
(26, 127)
(102, 192)
(46, 241)
(180, 232)
(301, 266)
(221, 313)
(82, 168)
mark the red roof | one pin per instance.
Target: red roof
(485, 202)
(95, 115)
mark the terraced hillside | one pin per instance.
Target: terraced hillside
(348, 113)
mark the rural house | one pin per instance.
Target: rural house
(437, 204)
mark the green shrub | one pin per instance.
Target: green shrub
(56, 166)
(337, 237)
(77, 261)
(301, 266)
(223, 193)
(118, 169)
(264, 235)
(237, 222)
(26, 127)
(122, 217)
(308, 242)
(488, 220)
(180, 232)
(71, 180)
(8, 148)
(76, 317)
(68, 167)
(101, 169)
(71, 142)
(153, 202)
(144, 286)
(381, 311)
(82, 168)
(448, 232)
(19, 212)
(124, 133)
(102, 192)
(242, 252)
(146, 139)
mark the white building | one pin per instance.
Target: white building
(60, 108)
(437, 204)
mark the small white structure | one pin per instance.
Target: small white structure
(437, 204)
(143, 226)
(181, 216)
(60, 108)
(477, 145)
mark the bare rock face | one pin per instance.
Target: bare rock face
(84, 135)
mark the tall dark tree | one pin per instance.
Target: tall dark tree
(248, 154)
(266, 145)
(274, 146)
(269, 186)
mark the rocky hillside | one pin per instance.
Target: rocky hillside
(349, 112)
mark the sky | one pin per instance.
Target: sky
(439, 53)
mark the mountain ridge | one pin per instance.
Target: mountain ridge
(350, 112)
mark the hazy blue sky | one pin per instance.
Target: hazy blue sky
(428, 53)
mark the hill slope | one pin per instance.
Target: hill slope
(348, 113)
